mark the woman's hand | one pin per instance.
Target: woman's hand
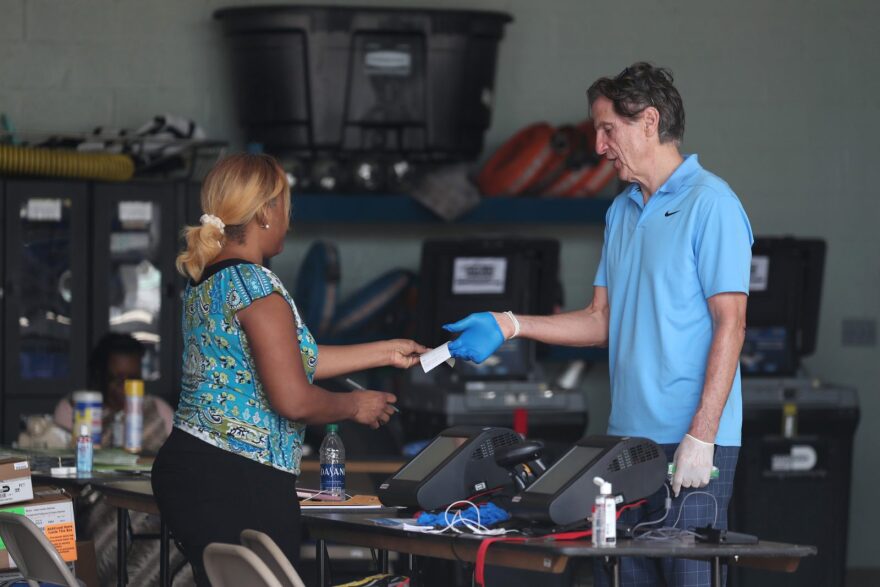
(404, 353)
(372, 408)
(336, 360)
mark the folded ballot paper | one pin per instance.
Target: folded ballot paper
(436, 356)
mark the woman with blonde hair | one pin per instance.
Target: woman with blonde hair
(249, 365)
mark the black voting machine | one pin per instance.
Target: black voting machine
(794, 470)
(462, 276)
(467, 461)
(459, 463)
(783, 308)
(564, 493)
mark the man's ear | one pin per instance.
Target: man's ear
(651, 121)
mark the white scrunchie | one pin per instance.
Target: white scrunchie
(213, 221)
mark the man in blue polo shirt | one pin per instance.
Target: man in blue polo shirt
(669, 301)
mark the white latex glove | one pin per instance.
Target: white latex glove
(693, 463)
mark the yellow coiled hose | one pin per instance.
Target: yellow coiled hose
(59, 163)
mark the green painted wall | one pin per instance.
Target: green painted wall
(781, 99)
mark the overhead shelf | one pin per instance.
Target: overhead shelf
(338, 208)
(398, 209)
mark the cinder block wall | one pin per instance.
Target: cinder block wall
(781, 100)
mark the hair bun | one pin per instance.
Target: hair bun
(213, 221)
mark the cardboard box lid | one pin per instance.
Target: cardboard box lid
(46, 494)
(14, 467)
(54, 509)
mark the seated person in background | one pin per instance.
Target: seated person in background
(114, 359)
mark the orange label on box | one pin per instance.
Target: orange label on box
(63, 538)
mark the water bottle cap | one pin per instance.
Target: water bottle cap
(84, 430)
(332, 428)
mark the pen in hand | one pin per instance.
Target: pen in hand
(355, 385)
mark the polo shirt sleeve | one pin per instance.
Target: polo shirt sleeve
(723, 247)
(601, 279)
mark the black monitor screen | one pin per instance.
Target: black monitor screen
(782, 314)
(430, 458)
(462, 276)
(569, 465)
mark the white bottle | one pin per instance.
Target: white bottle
(332, 456)
(604, 515)
(84, 452)
(118, 430)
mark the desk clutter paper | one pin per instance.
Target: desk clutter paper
(436, 356)
(355, 502)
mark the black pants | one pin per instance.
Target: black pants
(207, 494)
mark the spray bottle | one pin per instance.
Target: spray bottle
(134, 415)
(604, 515)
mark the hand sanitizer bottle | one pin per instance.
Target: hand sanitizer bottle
(604, 515)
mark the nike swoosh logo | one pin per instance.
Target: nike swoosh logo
(671, 213)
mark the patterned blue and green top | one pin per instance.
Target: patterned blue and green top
(222, 400)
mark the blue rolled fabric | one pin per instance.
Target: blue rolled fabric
(489, 514)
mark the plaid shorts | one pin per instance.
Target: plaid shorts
(699, 510)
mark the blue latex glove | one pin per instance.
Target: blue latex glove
(480, 337)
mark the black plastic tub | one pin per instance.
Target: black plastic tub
(312, 80)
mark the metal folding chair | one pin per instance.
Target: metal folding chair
(265, 548)
(36, 558)
(231, 565)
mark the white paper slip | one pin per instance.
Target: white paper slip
(436, 356)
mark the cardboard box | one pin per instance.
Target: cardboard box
(87, 563)
(52, 511)
(15, 480)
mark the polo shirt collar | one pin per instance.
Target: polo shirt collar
(687, 168)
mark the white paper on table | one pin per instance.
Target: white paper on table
(436, 356)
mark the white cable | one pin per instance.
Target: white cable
(681, 507)
(668, 506)
(672, 532)
(457, 517)
(666, 533)
(475, 527)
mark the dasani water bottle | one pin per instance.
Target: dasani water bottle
(332, 455)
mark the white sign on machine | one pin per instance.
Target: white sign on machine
(758, 277)
(479, 275)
